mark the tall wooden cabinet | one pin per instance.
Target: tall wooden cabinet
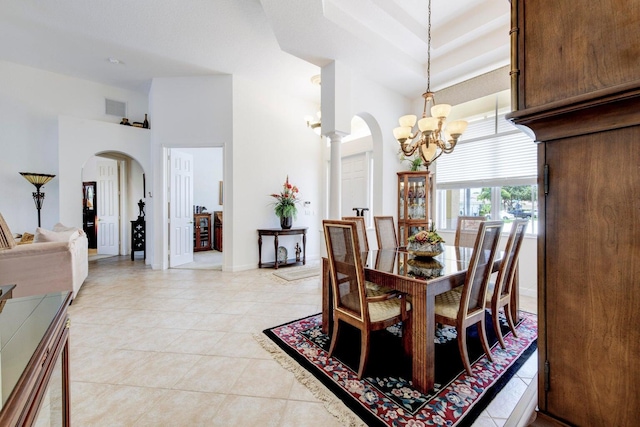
(202, 232)
(577, 92)
(415, 203)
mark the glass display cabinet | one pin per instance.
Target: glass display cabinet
(202, 232)
(415, 203)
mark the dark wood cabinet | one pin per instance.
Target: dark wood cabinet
(415, 208)
(217, 231)
(202, 232)
(578, 93)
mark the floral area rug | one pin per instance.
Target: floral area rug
(385, 397)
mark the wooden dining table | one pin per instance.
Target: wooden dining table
(422, 280)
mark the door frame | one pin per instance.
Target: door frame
(163, 218)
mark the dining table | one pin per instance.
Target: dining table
(422, 279)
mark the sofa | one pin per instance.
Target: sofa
(57, 260)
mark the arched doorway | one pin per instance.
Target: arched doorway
(113, 187)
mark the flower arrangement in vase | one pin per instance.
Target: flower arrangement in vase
(285, 204)
(426, 243)
(415, 161)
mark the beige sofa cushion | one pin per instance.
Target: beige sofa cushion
(61, 227)
(44, 235)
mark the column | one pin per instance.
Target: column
(336, 123)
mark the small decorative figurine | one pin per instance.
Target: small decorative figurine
(298, 251)
(141, 207)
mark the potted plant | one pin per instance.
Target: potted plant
(285, 204)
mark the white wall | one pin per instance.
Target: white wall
(380, 108)
(30, 102)
(188, 112)
(270, 141)
(79, 140)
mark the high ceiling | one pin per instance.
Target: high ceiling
(263, 40)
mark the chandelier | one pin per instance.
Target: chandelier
(434, 135)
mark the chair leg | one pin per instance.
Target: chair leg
(407, 335)
(364, 352)
(496, 324)
(462, 346)
(512, 326)
(334, 336)
(483, 337)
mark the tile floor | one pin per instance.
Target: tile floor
(176, 348)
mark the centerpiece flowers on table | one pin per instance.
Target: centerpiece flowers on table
(426, 243)
(286, 204)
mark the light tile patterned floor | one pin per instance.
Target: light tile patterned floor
(176, 348)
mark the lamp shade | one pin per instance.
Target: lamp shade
(457, 127)
(428, 124)
(441, 110)
(430, 152)
(37, 179)
(408, 120)
(402, 132)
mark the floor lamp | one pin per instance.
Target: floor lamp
(37, 179)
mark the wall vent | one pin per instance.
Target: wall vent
(115, 108)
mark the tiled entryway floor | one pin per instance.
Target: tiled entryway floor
(175, 348)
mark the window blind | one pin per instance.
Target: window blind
(492, 153)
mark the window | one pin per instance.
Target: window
(505, 203)
(492, 172)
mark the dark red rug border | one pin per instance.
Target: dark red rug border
(365, 415)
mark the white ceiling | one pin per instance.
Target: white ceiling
(263, 40)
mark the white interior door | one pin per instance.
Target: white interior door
(180, 208)
(108, 207)
(354, 183)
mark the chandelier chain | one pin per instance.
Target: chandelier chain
(429, 51)
(430, 140)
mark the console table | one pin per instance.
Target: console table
(34, 360)
(275, 232)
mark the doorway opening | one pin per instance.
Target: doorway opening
(196, 208)
(113, 186)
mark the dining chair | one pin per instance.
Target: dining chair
(372, 289)
(499, 292)
(467, 230)
(362, 231)
(351, 304)
(466, 307)
(385, 232)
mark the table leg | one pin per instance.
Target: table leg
(326, 297)
(275, 246)
(259, 250)
(423, 335)
(304, 248)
